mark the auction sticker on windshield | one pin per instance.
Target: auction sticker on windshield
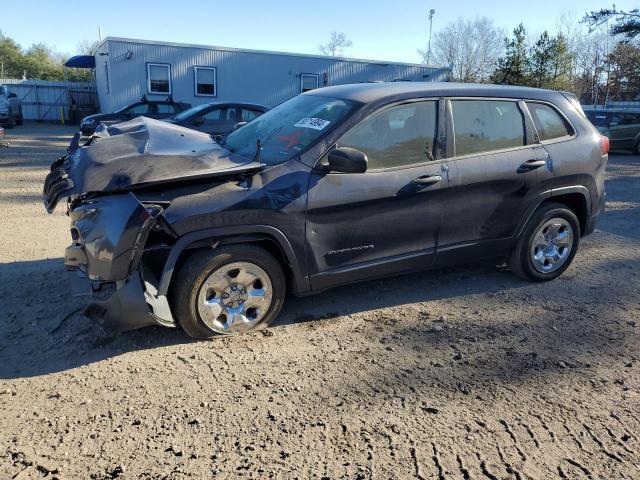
(312, 122)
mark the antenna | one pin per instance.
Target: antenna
(99, 34)
(432, 12)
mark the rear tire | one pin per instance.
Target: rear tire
(232, 289)
(11, 122)
(546, 247)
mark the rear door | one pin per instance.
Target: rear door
(623, 130)
(497, 172)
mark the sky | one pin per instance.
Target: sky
(379, 29)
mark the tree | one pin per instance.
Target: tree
(626, 23)
(541, 60)
(39, 63)
(470, 47)
(591, 54)
(11, 61)
(562, 64)
(513, 68)
(336, 45)
(624, 63)
(87, 47)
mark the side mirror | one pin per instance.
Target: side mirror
(347, 160)
(238, 125)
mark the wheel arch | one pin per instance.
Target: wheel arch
(576, 198)
(270, 238)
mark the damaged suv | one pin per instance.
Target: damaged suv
(336, 185)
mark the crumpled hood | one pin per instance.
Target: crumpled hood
(136, 154)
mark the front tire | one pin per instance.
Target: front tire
(11, 122)
(229, 290)
(546, 247)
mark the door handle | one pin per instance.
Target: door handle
(531, 165)
(428, 179)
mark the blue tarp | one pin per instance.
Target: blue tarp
(81, 61)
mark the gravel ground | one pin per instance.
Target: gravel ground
(463, 373)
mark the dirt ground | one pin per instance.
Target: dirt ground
(456, 374)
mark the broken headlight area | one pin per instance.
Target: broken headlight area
(117, 252)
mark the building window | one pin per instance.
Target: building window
(205, 81)
(309, 81)
(106, 75)
(159, 78)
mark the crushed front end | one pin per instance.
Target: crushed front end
(104, 261)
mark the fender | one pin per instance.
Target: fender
(555, 192)
(300, 281)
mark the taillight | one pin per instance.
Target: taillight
(604, 144)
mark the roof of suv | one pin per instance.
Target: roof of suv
(372, 92)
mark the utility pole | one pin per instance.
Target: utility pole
(432, 12)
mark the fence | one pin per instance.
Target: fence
(616, 105)
(54, 100)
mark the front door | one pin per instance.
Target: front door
(385, 220)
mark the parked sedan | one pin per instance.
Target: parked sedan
(217, 118)
(147, 108)
(621, 126)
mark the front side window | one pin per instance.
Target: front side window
(486, 125)
(214, 115)
(248, 115)
(309, 81)
(159, 78)
(205, 81)
(548, 122)
(290, 128)
(395, 136)
(140, 109)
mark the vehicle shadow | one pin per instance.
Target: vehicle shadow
(44, 331)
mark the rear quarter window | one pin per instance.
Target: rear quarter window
(486, 125)
(548, 121)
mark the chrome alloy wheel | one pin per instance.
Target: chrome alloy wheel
(551, 245)
(235, 297)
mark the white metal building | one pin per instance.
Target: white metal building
(127, 69)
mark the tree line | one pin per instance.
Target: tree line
(588, 56)
(39, 62)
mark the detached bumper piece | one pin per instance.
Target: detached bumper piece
(55, 185)
(124, 309)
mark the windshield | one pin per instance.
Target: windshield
(290, 128)
(190, 112)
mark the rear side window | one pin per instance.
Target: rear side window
(630, 119)
(167, 108)
(396, 136)
(486, 125)
(548, 122)
(599, 119)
